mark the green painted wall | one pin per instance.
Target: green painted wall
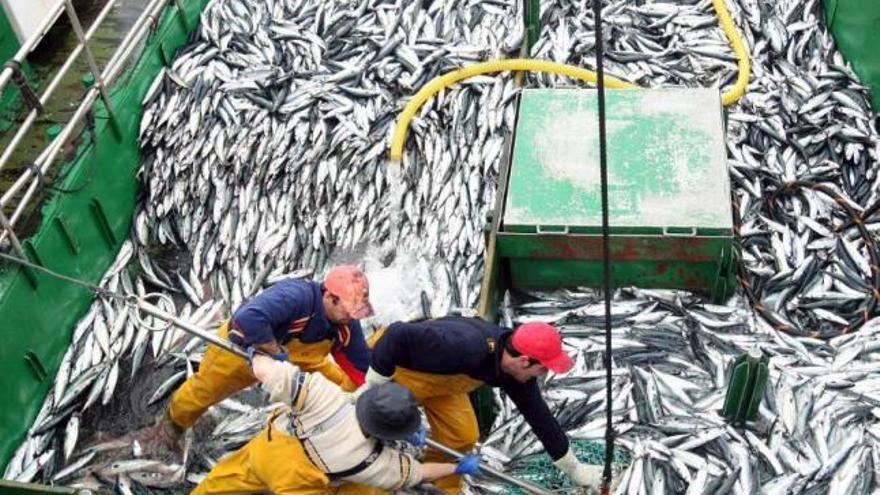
(79, 236)
(856, 28)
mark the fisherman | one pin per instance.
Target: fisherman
(442, 360)
(321, 443)
(294, 320)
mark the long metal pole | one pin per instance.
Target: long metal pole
(190, 328)
(228, 346)
(525, 485)
(45, 159)
(53, 85)
(131, 40)
(90, 57)
(110, 73)
(13, 239)
(31, 42)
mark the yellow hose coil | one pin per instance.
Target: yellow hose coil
(533, 65)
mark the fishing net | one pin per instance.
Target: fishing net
(539, 468)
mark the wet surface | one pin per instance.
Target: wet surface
(45, 61)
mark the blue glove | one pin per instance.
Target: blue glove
(236, 339)
(419, 437)
(281, 356)
(469, 464)
(252, 351)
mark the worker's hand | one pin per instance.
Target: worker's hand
(469, 464)
(251, 351)
(371, 379)
(419, 437)
(374, 378)
(275, 350)
(581, 475)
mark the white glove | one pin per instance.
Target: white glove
(372, 379)
(582, 475)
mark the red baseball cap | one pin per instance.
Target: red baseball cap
(541, 342)
(349, 284)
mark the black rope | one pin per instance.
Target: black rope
(93, 164)
(20, 80)
(606, 261)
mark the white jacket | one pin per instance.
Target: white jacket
(321, 415)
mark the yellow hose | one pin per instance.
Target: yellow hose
(532, 65)
(739, 49)
(453, 77)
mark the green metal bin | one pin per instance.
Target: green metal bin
(669, 192)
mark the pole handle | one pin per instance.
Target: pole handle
(525, 485)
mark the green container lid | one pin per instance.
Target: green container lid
(667, 163)
(671, 221)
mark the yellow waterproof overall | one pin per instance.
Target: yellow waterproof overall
(275, 462)
(222, 374)
(449, 410)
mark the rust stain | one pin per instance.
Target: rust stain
(623, 248)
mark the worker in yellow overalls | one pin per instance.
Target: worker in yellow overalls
(322, 443)
(295, 320)
(442, 360)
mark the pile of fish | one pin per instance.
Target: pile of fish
(818, 429)
(803, 142)
(264, 147)
(265, 142)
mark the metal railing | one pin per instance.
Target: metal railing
(32, 177)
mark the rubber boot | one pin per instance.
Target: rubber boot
(169, 432)
(162, 439)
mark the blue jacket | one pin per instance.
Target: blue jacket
(293, 309)
(470, 346)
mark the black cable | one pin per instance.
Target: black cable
(606, 261)
(99, 291)
(93, 165)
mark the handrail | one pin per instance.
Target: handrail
(113, 68)
(31, 42)
(53, 85)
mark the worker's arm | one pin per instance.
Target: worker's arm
(351, 352)
(394, 470)
(254, 322)
(432, 471)
(469, 464)
(279, 378)
(527, 398)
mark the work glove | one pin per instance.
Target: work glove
(469, 464)
(236, 339)
(251, 351)
(419, 437)
(581, 475)
(371, 379)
